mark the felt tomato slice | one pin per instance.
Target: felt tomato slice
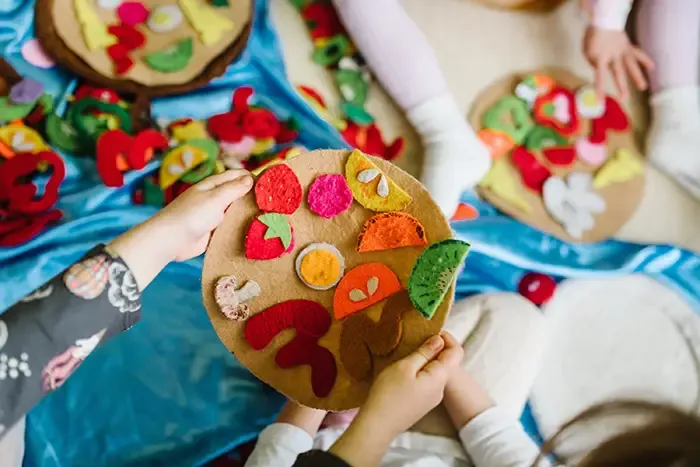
(557, 110)
(532, 171)
(562, 156)
(362, 287)
(269, 237)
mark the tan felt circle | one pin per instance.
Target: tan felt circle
(621, 198)
(61, 36)
(279, 281)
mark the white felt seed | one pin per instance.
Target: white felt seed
(383, 187)
(187, 158)
(347, 92)
(372, 285)
(357, 295)
(176, 169)
(367, 175)
(250, 290)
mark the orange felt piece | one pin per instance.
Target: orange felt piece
(362, 287)
(498, 142)
(465, 212)
(390, 230)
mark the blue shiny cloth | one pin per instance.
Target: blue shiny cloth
(167, 392)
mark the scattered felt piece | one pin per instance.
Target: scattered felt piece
(194, 129)
(34, 54)
(560, 156)
(433, 274)
(361, 338)
(329, 195)
(20, 138)
(173, 58)
(21, 196)
(311, 322)
(390, 230)
(206, 168)
(369, 139)
(278, 190)
(362, 287)
(371, 187)
(537, 287)
(164, 18)
(80, 112)
(62, 135)
(115, 146)
(277, 227)
(353, 88)
(178, 161)
(572, 202)
(588, 103)
(209, 24)
(27, 91)
(132, 13)
(258, 247)
(557, 110)
(320, 266)
(501, 182)
(94, 30)
(19, 230)
(533, 86)
(542, 137)
(511, 116)
(465, 212)
(613, 119)
(532, 171)
(128, 36)
(10, 112)
(622, 167)
(497, 142)
(231, 299)
(593, 154)
(330, 50)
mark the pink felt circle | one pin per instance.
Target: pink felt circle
(34, 54)
(132, 13)
(329, 195)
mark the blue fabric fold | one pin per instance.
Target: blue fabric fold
(167, 392)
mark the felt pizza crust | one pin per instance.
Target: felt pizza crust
(279, 282)
(621, 199)
(57, 28)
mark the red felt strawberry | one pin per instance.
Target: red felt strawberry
(532, 171)
(614, 119)
(266, 237)
(557, 110)
(563, 156)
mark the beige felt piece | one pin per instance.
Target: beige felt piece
(621, 199)
(279, 282)
(68, 29)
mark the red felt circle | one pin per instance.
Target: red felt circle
(278, 190)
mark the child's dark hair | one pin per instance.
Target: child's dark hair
(668, 437)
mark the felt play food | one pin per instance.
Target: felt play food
(434, 273)
(322, 265)
(118, 152)
(278, 190)
(572, 202)
(533, 86)
(511, 116)
(231, 299)
(144, 47)
(329, 195)
(371, 187)
(178, 161)
(498, 142)
(575, 132)
(537, 287)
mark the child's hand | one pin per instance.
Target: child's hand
(611, 51)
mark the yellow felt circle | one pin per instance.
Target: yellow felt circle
(320, 268)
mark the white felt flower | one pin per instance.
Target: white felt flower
(572, 202)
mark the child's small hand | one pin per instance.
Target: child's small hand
(610, 51)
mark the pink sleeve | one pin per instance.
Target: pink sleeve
(610, 14)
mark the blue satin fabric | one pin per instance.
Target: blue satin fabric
(167, 392)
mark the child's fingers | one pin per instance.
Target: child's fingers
(620, 78)
(229, 191)
(600, 72)
(643, 58)
(635, 72)
(214, 181)
(425, 353)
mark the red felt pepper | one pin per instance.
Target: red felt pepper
(322, 20)
(16, 231)
(311, 322)
(115, 144)
(128, 36)
(103, 94)
(543, 111)
(532, 172)
(369, 140)
(260, 123)
(563, 156)
(20, 196)
(614, 119)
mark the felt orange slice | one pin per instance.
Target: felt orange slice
(391, 230)
(371, 187)
(362, 287)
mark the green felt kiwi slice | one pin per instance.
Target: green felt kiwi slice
(171, 59)
(433, 274)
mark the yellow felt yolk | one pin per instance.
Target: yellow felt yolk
(20, 138)
(320, 268)
(588, 104)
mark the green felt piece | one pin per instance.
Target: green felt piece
(46, 101)
(331, 52)
(433, 274)
(62, 135)
(10, 111)
(84, 122)
(542, 137)
(219, 3)
(356, 114)
(173, 58)
(352, 86)
(207, 167)
(510, 115)
(152, 194)
(300, 4)
(277, 227)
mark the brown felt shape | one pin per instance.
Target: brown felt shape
(390, 230)
(362, 338)
(57, 28)
(279, 282)
(621, 199)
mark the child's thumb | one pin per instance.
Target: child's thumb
(425, 353)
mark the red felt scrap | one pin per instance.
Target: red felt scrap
(256, 247)
(369, 140)
(532, 171)
(311, 322)
(16, 231)
(278, 190)
(21, 195)
(537, 287)
(137, 151)
(260, 123)
(103, 94)
(563, 156)
(322, 20)
(128, 36)
(541, 117)
(614, 119)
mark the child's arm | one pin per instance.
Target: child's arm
(610, 14)
(46, 335)
(490, 436)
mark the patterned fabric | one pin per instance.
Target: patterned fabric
(46, 335)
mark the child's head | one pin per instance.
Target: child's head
(666, 436)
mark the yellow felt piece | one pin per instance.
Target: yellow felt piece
(192, 130)
(622, 167)
(178, 162)
(20, 138)
(209, 24)
(263, 145)
(373, 194)
(501, 182)
(94, 30)
(220, 168)
(320, 268)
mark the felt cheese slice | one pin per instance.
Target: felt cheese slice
(371, 187)
(390, 230)
(362, 287)
(320, 266)
(178, 162)
(622, 167)
(501, 182)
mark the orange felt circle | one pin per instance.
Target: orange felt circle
(320, 268)
(358, 281)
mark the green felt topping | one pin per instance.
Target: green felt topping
(152, 194)
(356, 114)
(277, 227)
(10, 111)
(353, 86)
(173, 58)
(219, 3)
(62, 135)
(433, 274)
(46, 102)
(331, 52)
(89, 125)
(207, 167)
(510, 115)
(542, 137)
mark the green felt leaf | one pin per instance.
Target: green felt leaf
(356, 114)
(277, 227)
(10, 111)
(171, 59)
(152, 194)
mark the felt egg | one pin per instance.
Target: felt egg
(588, 103)
(164, 18)
(320, 266)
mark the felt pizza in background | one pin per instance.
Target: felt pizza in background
(145, 47)
(334, 266)
(564, 159)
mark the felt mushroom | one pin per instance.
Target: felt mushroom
(232, 300)
(572, 202)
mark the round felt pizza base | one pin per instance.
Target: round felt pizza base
(621, 199)
(55, 46)
(613, 338)
(279, 282)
